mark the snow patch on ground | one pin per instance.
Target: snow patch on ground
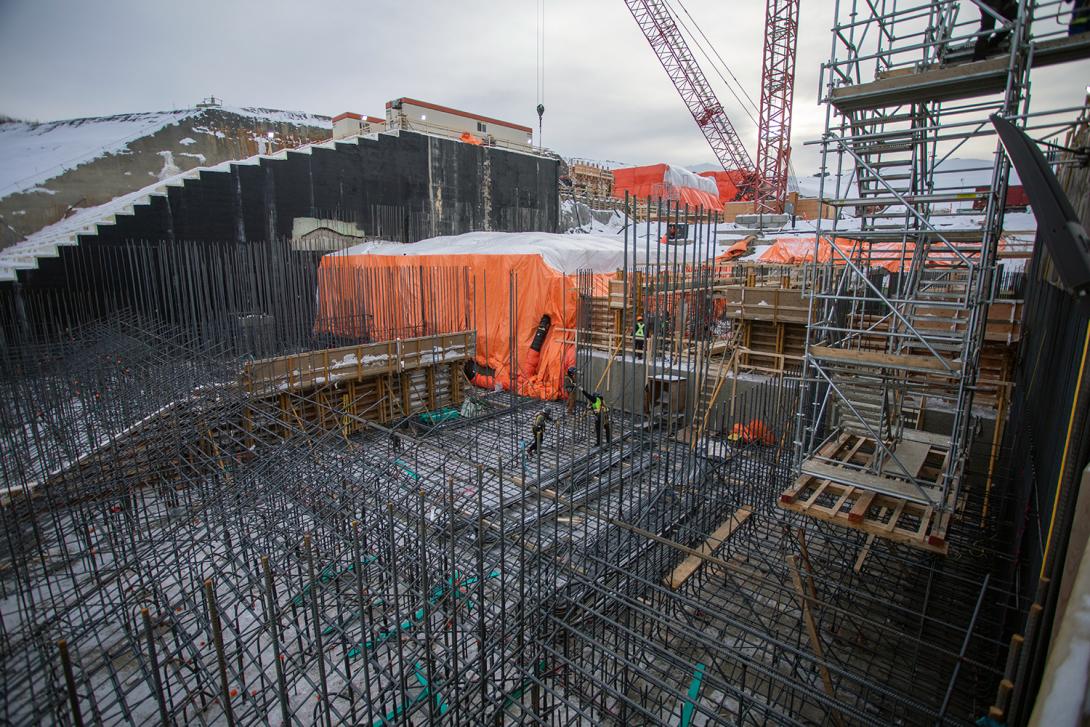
(187, 141)
(169, 169)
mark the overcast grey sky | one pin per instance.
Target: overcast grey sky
(606, 96)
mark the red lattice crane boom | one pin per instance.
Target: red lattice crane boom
(658, 26)
(766, 182)
(777, 94)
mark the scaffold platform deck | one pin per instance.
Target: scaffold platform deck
(886, 505)
(958, 81)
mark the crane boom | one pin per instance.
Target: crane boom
(777, 94)
(658, 26)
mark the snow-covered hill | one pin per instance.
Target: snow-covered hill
(49, 170)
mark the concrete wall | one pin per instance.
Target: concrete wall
(625, 389)
(408, 186)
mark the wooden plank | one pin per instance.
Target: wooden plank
(859, 509)
(911, 454)
(867, 481)
(687, 567)
(874, 527)
(815, 641)
(863, 552)
(925, 521)
(891, 524)
(935, 440)
(887, 360)
(848, 491)
(817, 493)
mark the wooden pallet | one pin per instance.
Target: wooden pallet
(883, 515)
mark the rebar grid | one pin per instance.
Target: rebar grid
(335, 569)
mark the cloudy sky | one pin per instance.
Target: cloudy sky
(606, 96)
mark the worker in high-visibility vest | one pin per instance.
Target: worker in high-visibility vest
(1080, 17)
(640, 336)
(537, 429)
(601, 417)
(571, 386)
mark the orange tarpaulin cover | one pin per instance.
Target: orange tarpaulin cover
(893, 256)
(727, 182)
(796, 250)
(539, 289)
(736, 250)
(470, 139)
(659, 180)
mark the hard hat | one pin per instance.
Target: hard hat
(734, 437)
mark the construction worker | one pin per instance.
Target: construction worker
(538, 430)
(640, 335)
(988, 41)
(601, 417)
(571, 386)
(1080, 17)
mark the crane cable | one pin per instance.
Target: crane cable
(708, 50)
(722, 63)
(704, 49)
(540, 60)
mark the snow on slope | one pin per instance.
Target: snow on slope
(31, 153)
(46, 241)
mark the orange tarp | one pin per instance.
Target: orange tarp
(796, 250)
(470, 139)
(736, 250)
(539, 289)
(727, 182)
(893, 256)
(650, 181)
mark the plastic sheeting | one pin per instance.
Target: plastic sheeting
(539, 289)
(668, 182)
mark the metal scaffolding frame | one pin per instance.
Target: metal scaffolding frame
(900, 316)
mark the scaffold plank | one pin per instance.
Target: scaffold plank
(885, 360)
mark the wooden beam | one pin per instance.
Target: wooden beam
(815, 640)
(911, 361)
(867, 481)
(689, 566)
(863, 552)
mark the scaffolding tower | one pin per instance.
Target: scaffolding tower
(907, 267)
